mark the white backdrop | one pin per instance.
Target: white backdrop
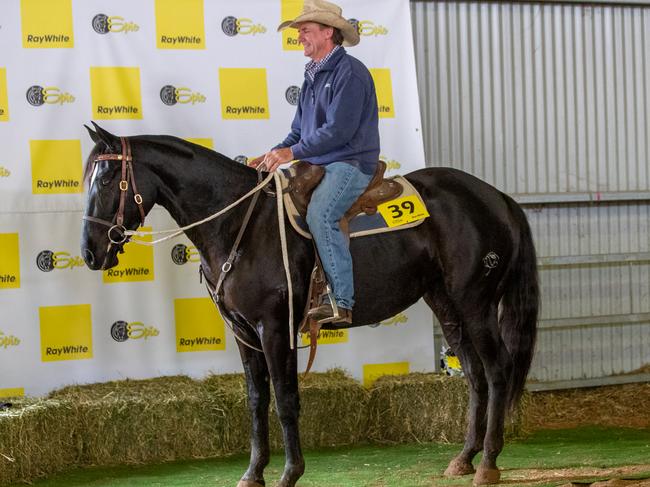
(62, 59)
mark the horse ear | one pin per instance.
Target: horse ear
(93, 134)
(104, 135)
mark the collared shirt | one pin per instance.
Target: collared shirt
(313, 67)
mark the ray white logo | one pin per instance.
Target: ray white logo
(398, 319)
(170, 95)
(231, 26)
(292, 95)
(4, 172)
(368, 28)
(182, 254)
(122, 331)
(103, 24)
(47, 261)
(51, 95)
(7, 341)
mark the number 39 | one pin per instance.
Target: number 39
(398, 210)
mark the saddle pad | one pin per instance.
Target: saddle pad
(393, 215)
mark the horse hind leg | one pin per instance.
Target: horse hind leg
(462, 346)
(497, 364)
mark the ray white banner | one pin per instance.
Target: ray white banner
(212, 71)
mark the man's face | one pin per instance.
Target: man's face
(315, 39)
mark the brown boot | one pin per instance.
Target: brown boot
(326, 314)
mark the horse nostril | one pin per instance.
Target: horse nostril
(89, 257)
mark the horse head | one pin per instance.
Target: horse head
(117, 199)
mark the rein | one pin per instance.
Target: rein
(125, 235)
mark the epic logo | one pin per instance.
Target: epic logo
(390, 164)
(47, 261)
(4, 173)
(37, 96)
(368, 28)
(241, 159)
(395, 320)
(292, 95)
(171, 95)
(103, 24)
(121, 331)
(8, 341)
(182, 254)
(232, 26)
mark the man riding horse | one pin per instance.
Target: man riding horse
(335, 126)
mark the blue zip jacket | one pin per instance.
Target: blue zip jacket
(337, 118)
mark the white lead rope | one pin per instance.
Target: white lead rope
(283, 237)
(177, 231)
(285, 253)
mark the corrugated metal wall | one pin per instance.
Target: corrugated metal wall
(551, 104)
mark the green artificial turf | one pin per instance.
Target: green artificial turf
(386, 466)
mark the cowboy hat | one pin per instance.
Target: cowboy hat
(325, 13)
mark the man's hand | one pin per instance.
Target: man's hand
(256, 162)
(274, 158)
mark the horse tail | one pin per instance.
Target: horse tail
(520, 306)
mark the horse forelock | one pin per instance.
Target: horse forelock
(90, 164)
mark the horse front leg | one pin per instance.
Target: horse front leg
(257, 382)
(283, 366)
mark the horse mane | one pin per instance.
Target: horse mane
(180, 147)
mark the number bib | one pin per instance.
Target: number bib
(403, 210)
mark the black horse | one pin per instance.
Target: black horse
(473, 262)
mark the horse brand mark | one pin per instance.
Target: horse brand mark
(38, 96)
(170, 95)
(103, 24)
(231, 26)
(292, 95)
(490, 261)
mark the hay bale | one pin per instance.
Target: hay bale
(423, 408)
(333, 411)
(37, 438)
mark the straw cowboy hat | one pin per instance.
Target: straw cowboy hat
(325, 13)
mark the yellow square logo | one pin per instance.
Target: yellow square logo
(384, 88)
(328, 337)
(243, 93)
(56, 166)
(115, 93)
(46, 23)
(372, 372)
(4, 101)
(13, 392)
(180, 25)
(290, 9)
(199, 327)
(66, 333)
(10, 261)
(207, 142)
(135, 264)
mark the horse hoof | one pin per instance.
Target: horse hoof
(459, 467)
(248, 483)
(486, 476)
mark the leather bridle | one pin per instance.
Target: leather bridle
(128, 176)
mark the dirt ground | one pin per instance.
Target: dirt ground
(626, 406)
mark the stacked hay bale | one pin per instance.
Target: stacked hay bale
(175, 418)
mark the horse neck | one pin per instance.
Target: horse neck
(191, 190)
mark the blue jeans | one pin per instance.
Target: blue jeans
(342, 184)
